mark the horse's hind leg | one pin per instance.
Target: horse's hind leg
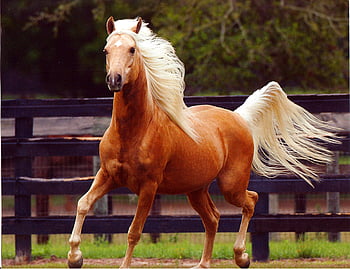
(240, 197)
(242, 258)
(99, 187)
(203, 204)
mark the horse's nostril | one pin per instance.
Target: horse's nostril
(114, 82)
(119, 79)
(118, 82)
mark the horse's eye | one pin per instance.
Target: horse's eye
(132, 50)
(105, 51)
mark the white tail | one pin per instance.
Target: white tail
(285, 134)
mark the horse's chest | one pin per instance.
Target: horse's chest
(129, 168)
(122, 172)
(130, 164)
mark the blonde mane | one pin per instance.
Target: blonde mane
(164, 72)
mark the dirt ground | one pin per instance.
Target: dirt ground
(183, 263)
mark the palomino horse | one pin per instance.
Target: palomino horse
(155, 144)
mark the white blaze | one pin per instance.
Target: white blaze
(118, 43)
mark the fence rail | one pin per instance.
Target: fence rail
(75, 146)
(179, 224)
(36, 186)
(24, 146)
(103, 106)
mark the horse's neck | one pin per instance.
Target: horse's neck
(132, 110)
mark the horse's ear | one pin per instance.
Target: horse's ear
(138, 26)
(110, 25)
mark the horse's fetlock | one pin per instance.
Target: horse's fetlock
(238, 250)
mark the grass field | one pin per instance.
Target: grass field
(182, 246)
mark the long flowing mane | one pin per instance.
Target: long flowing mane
(164, 72)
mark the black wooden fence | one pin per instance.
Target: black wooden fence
(23, 146)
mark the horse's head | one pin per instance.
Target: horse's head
(121, 54)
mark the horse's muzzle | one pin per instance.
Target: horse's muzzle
(114, 82)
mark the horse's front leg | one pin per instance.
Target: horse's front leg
(101, 185)
(146, 198)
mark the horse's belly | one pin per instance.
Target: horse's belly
(183, 185)
(191, 172)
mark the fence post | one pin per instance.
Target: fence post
(260, 241)
(333, 198)
(300, 207)
(101, 205)
(41, 168)
(273, 210)
(156, 211)
(23, 167)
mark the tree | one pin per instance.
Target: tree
(240, 45)
(227, 45)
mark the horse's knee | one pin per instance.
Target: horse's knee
(83, 207)
(133, 237)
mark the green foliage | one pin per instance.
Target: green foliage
(54, 47)
(243, 44)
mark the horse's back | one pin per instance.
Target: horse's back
(230, 125)
(226, 126)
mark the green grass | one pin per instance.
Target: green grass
(178, 246)
(344, 159)
(309, 249)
